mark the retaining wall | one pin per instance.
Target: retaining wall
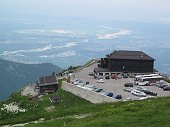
(91, 96)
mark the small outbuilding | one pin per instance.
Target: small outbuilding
(47, 84)
(54, 98)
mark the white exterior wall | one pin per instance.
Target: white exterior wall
(91, 96)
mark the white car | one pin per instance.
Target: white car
(138, 93)
(104, 92)
(128, 89)
(78, 82)
(139, 88)
(100, 81)
(89, 87)
(146, 83)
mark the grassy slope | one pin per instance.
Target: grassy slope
(148, 113)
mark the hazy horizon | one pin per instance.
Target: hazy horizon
(137, 10)
(74, 31)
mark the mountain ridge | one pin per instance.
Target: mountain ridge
(15, 75)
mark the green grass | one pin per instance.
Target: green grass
(167, 80)
(69, 105)
(146, 113)
(60, 81)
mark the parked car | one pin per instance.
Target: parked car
(100, 81)
(146, 83)
(138, 93)
(99, 77)
(107, 77)
(114, 76)
(88, 87)
(91, 74)
(104, 92)
(140, 88)
(125, 75)
(131, 76)
(78, 82)
(166, 88)
(75, 81)
(119, 76)
(118, 97)
(94, 89)
(148, 92)
(98, 90)
(128, 89)
(110, 94)
(128, 84)
(163, 85)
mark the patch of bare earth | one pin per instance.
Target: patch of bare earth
(29, 90)
(50, 109)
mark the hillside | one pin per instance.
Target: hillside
(14, 75)
(73, 111)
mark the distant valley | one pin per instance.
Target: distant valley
(14, 76)
(73, 43)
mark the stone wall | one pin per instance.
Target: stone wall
(91, 96)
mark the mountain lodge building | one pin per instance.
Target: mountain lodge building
(122, 61)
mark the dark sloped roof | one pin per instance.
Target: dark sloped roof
(132, 55)
(47, 80)
(54, 98)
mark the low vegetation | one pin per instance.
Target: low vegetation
(167, 80)
(73, 111)
(151, 112)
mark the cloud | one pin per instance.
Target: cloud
(97, 49)
(61, 31)
(48, 47)
(67, 45)
(60, 55)
(42, 31)
(114, 35)
(26, 51)
(67, 54)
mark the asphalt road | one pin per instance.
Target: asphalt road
(114, 85)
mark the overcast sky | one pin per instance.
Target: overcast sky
(137, 9)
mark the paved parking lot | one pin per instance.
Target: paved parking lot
(114, 85)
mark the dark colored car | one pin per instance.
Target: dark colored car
(148, 92)
(166, 88)
(118, 97)
(110, 94)
(91, 74)
(98, 90)
(107, 77)
(163, 85)
(128, 84)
